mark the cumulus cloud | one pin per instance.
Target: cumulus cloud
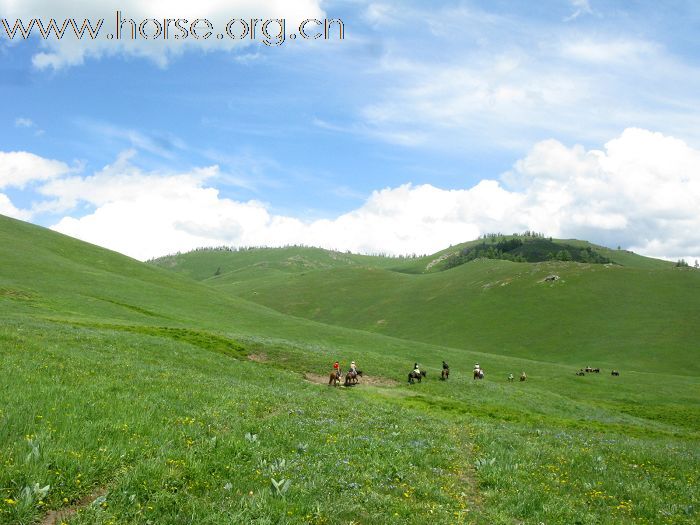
(70, 51)
(17, 168)
(9, 209)
(642, 191)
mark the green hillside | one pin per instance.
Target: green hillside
(131, 394)
(640, 314)
(212, 263)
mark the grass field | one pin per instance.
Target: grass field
(132, 394)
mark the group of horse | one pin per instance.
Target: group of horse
(413, 375)
(588, 370)
(351, 378)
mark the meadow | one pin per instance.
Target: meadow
(136, 394)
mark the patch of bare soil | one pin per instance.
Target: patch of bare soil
(258, 358)
(55, 517)
(317, 378)
(322, 379)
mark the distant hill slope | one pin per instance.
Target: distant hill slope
(47, 276)
(213, 263)
(642, 314)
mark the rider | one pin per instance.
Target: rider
(353, 369)
(445, 366)
(416, 369)
(336, 368)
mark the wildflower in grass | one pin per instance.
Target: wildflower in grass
(10, 501)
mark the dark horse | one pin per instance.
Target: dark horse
(351, 378)
(415, 375)
(615, 373)
(478, 373)
(334, 378)
(445, 373)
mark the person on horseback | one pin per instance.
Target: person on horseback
(416, 369)
(336, 368)
(445, 366)
(353, 371)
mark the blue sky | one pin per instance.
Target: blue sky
(430, 123)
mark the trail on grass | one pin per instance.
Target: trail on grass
(321, 379)
(56, 517)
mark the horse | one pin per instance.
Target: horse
(415, 375)
(510, 378)
(445, 374)
(580, 373)
(615, 373)
(478, 373)
(589, 369)
(596, 370)
(523, 376)
(334, 378)
(351, 378)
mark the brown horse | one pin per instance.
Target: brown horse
(523, 376)
(351, 378)
(478, 373)
(334, 378)
(415, 375)
(445, 374)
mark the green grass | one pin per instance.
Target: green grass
(608, 316)
(131, 382)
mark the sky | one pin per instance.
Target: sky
(430, 123)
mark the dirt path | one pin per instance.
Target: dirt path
(364, 380)
(55, 517)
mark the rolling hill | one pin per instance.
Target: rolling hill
(133, 394)
(634, 310)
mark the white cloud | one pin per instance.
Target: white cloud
(17, 168)
(7, 208)
(503, 80)
(581, 7)
(379, 14)
(21, 122)
(27, 123)
(71, 51)
(641, 191)
(618, 51)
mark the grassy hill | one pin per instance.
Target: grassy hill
(639, 315)
(131, 394)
